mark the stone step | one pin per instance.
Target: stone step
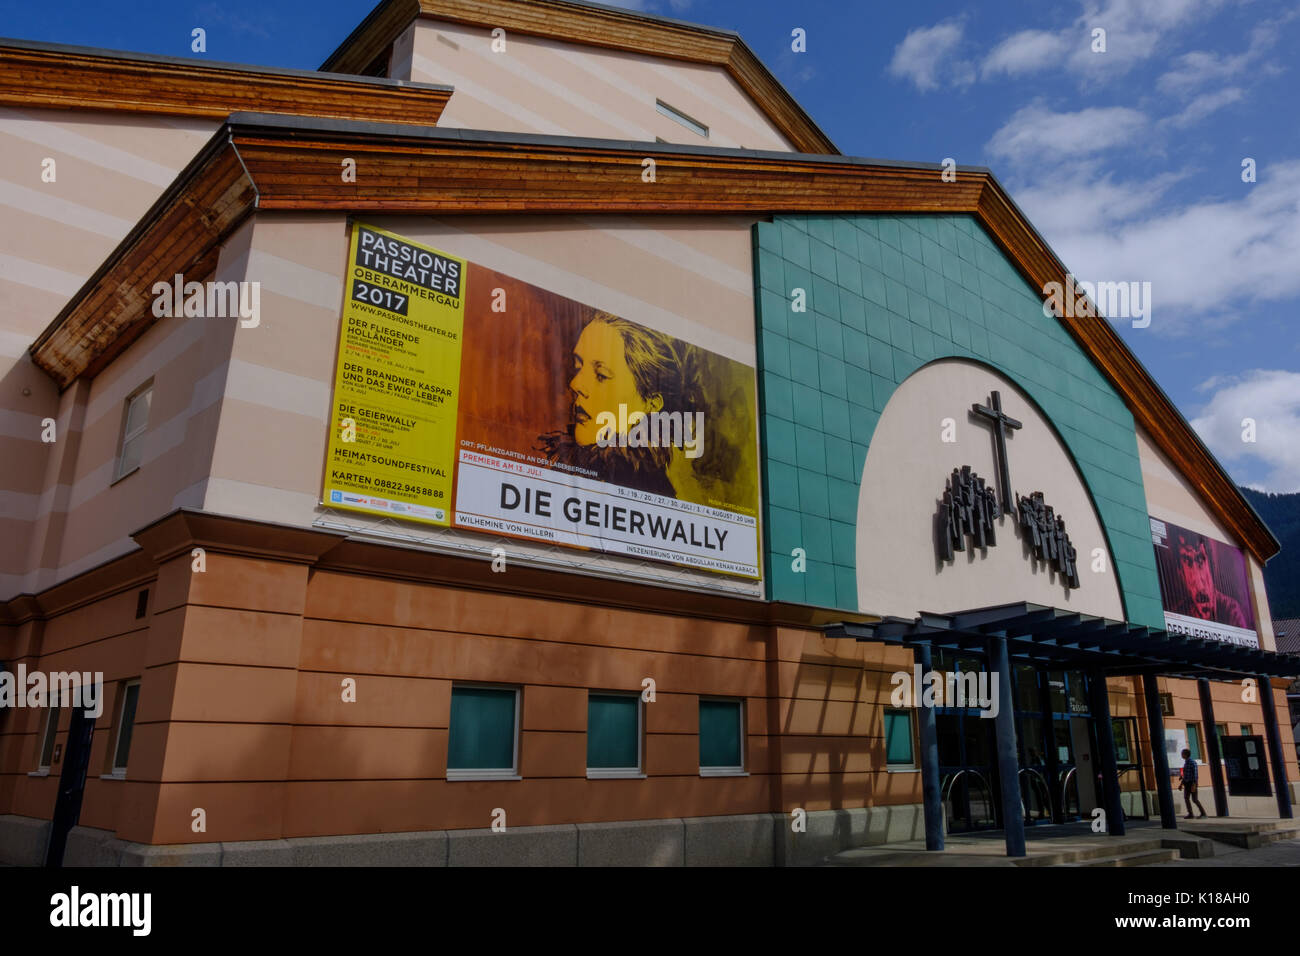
(1248, 836)
(1143, 858)
(1079, 855)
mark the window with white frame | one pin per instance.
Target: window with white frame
(125, 726)
(677, 116)
(614, 734)
(483, 735)
(722, 737)
(135, 422)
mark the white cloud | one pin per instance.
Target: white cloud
(927, 52)
(1035, 132)
(1272, 399)
(1201, 67)
(1025, 52)
(1205, 260)
(1203, 105)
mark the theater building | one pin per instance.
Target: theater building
(529, 440)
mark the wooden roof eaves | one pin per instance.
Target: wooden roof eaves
(57, 76)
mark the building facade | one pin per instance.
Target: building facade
(299, 523)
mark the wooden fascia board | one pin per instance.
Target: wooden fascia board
(77, 79)
(181, 233)
(610, 29)
(441, 176)
(372, 36)
(480, 175)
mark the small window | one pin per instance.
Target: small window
(1245, 730)
(135, 422)
(1194, 741)
(898, 739)
(695, 126)
(125, 726)
(613, 735)
(51, 731)
(722, 737)
(483, 739)
(1220, 731)
(142, 604)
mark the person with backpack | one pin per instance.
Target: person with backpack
(1187, 784)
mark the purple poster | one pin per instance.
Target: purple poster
(1204, 584)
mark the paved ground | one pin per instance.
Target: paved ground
(1282, 853)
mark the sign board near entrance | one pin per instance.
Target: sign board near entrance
(467, 398)
(1204, 586)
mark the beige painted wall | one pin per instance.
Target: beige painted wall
(687, 276)
(108, 170)
(903, 482)
(1171, 498)
(548, 86)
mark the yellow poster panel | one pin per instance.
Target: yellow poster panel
(397, 383)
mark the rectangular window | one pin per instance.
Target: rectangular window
(613, 735)
(898, 739)
(1194, 741)
(722, 737)
(1245, 730)
(677, 116)
(135, 421)
(483, 739)
(51, 731)
(1221, 731)
(125, 726)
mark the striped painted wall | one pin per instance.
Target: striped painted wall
(108, 170)
(546, 86)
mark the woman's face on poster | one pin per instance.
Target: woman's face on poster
(602, 380)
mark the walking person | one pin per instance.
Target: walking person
(1188, 784)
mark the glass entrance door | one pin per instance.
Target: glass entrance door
(967, 765)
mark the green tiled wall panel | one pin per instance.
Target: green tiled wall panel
(884, 295)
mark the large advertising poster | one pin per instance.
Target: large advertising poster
(482, 402)
(1204, 584)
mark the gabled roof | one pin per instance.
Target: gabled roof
(592, 24)
(280, 162)
(52, 75)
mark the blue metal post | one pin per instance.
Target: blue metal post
(1213, 752)
(1106, 746)
(1013, 814)
(1156, 728)
(933, 799)
(1275, 748)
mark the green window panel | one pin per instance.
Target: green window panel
(721, 735)
(898, 738)
(483, 729)
(613, 732)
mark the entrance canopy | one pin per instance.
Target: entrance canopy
(1037, 634)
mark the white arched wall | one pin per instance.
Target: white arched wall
(907, 466)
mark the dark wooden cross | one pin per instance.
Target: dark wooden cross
(1000, 422)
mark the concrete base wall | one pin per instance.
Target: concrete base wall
(23, 840)
(759, 839)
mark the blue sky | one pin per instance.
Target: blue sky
(1128, 161)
